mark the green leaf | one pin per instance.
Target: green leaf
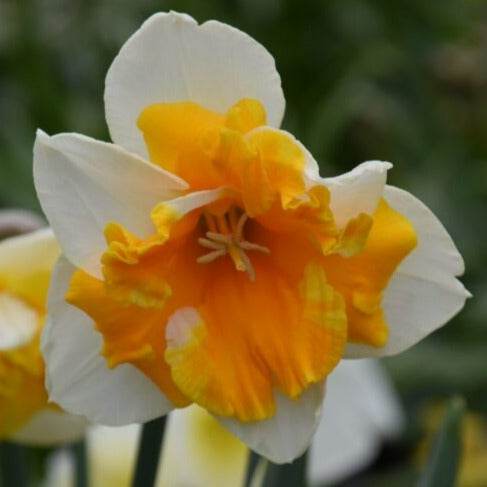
(445, 454)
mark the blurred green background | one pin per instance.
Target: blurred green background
(403, 81)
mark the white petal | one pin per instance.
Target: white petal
(171, 58)
(357, 191)
(83, 184)
(423, 294)
(50, 427)
(16, 221)
(78, 377)
(191, 201)
(289, 432)
(359, 411)
(213, 456)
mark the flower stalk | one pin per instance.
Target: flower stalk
(149, 452)
(251, 466)
(287, 475)
(81, 464)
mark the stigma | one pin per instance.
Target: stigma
(225, 237)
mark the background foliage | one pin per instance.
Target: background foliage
(404, 81)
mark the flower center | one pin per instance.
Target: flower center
(225, 236)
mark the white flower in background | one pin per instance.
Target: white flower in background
(26, 263)
(362, 411)
(206, 261)
(16, 221)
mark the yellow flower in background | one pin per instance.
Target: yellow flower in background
(205, 259)
(26, 264)
(361, 411)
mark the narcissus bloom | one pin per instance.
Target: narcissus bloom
(205, 259)
(25, 416)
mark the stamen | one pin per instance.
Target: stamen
(218, 237)
(210, 244)
(251, 246)
(236, 256)
(240, 225)
(248, 265)
(207, 258)
(223, 240)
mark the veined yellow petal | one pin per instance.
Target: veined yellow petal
(183, 137)
(362, 278)
(282, 160)
(354, 236)
(249, 338)
(245, 115)
(174, 134)
(209, 150)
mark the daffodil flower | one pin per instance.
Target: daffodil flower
(25, 416)
(205, 259)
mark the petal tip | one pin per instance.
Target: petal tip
(377, 165)
(178, 17)
(40, 134)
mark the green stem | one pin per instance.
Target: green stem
(80, 464)
(149, 452)
(12, 462)
(287, 475)
(252, 463)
